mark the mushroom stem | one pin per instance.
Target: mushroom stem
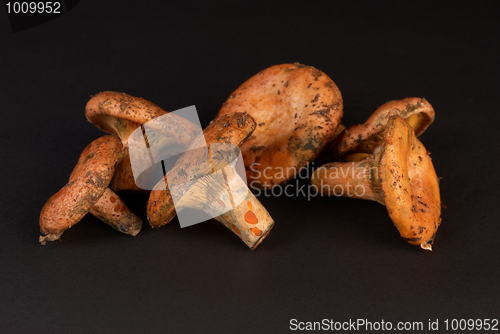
(123, 179)
(248, 219)
(356, 179)
(225, 191)
(111, 210)
(49, 237)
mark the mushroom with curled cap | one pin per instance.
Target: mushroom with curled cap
(358, 142)
(297, 109)
(87, 191)
(399, 175)
(120, 114)
(206, 179)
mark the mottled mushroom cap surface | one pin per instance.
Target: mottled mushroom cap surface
(231, 129)
(87, 183)
(119, 113)
(359, 141)
(297, 109)
(409, 184)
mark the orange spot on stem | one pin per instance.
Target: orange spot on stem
(235, 229)
(256, 231)
(251, 218)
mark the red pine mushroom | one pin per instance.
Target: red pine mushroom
(297, 109)
(399, 175)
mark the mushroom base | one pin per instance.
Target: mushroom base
(111, 210)
(49, 237)
(249, 220)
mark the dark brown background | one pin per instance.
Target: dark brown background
(327, 258)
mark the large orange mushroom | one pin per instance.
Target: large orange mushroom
(297, 109)
(399, 175)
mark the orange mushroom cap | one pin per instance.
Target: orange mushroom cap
(87, 191)
(297, 109)
(409, 184)
(87, 184)
(120, 114)
(358, 142)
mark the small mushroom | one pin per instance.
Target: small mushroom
(87, 190)
(358, 142)
(399, 175)
(120, 114)
(297, 109)
(203, 179)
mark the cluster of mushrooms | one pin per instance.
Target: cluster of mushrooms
(282, 119)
